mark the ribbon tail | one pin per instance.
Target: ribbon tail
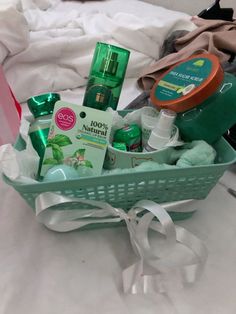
(144, 279)
(135, 281)
(67, 226)
(153, 272)
(131, 277)
(159, 274)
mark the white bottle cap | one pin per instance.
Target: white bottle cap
(161, 133)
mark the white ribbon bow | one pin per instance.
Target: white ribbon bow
(151, 273)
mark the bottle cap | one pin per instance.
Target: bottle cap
(188, 83)
(120, 146)
(130, 135)
(43, 104)
(109, 63)
(109, 60)
(161, 133)
(126, 133)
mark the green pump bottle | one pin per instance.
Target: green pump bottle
(41, 106)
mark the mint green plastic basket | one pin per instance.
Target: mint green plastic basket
(124, 190)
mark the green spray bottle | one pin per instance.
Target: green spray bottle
(106, 76)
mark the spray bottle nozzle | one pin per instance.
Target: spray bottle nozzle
(161, 133)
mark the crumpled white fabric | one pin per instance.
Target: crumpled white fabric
(17, 165)
(62, 43)
(32, 4)
(26, 4)
(14, 33)
(20, 165)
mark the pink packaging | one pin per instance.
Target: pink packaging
(10, 112)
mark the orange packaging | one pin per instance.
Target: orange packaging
(188, 83)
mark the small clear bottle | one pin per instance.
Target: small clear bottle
(161, 134)
(41, 107)
(106, 77)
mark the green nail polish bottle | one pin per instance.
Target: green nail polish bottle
(106, 77)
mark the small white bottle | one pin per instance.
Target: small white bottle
(161, 134)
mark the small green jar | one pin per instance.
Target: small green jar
(41, 107)
(203, 96)
(130, 135)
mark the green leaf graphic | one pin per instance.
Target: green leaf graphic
(57, 152)
(88, 164)
(50, 161)
(76, 165)
(79, 152)
(60, 140)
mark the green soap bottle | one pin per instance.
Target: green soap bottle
(41, 107)
(106, 76)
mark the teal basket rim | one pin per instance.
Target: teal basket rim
(120, 175)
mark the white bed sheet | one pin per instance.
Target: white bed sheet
(43, 272)
(52, 50)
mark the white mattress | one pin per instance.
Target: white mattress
(44, 272)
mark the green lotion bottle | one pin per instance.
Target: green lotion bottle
(106, 77)
(41, 107)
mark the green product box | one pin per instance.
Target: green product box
(78, 137)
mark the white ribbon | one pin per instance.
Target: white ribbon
(151, 273)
